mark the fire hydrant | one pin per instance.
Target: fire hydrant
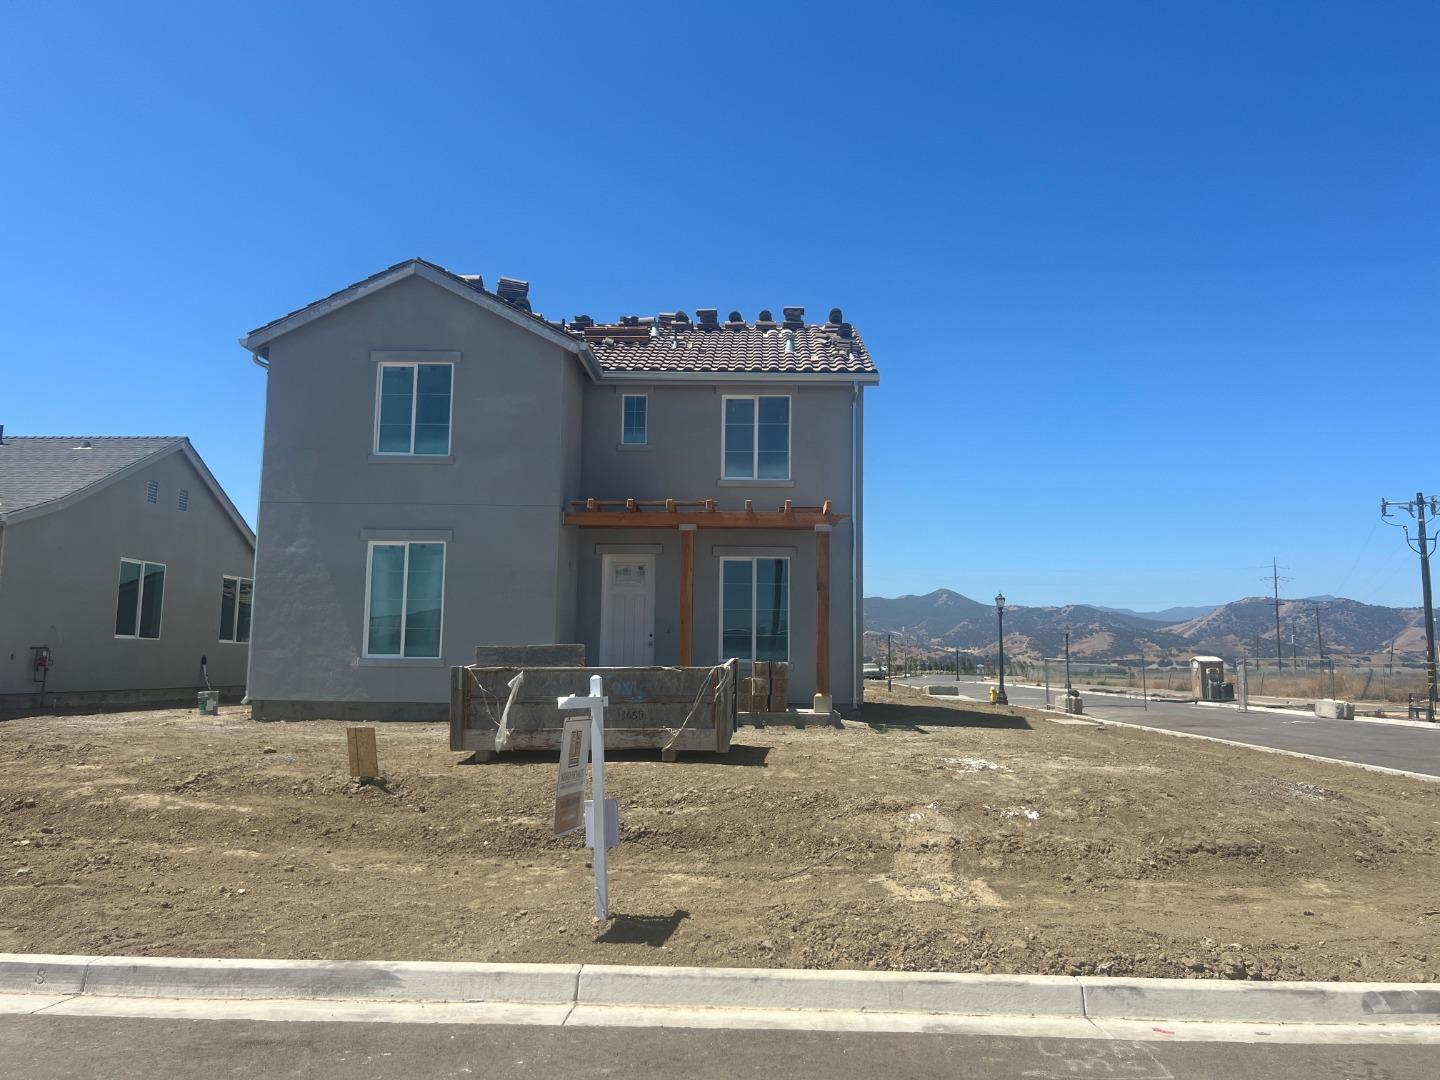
(994, 695)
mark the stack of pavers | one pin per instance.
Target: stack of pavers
(767, 690)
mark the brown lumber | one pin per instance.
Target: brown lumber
(687, 597)
(822, 611)
(360, 749)
(713, 519)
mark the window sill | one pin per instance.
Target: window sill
(412, 459)
(628, 447)
(401, 661)
(755, 483)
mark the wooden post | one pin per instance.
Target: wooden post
(360, 748)
(687, 595)
(822, 609)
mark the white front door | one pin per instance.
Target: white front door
(627, 611)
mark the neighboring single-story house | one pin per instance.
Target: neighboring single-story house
(444, 468)
(123, 568)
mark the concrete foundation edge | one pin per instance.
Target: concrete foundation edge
(733, 988)
(351, 712)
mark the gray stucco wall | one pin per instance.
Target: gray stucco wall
(682, 459)
(59, 580)
(497, 501)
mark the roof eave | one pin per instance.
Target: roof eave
(257, 342)
(865, 378)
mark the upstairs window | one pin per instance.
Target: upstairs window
(633, 430)
(412, 409)
(757, 438)
(237, 599)
(141, 599)
(404, 604)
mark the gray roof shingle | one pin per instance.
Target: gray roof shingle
(39, 469)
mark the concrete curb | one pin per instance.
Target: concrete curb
(927, 993)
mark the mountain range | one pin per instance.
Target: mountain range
(945, 619)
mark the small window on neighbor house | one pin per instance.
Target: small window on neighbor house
(140, 600)
(236, 601)
(633, 429)
(404, 603)
(412, 409)
(757, 438)
(152, 490)
(183, 499)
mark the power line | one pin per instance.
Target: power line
(1275, 580)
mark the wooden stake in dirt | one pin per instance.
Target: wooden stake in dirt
(360, 748)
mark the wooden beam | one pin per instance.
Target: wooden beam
(822, 610)
(714, 519)
(687, 597)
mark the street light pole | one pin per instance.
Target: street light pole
(1000, 698)
(1068, 687)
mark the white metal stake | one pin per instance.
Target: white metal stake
(597, 779)
(596, 703)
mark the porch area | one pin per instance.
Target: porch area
(686, 613)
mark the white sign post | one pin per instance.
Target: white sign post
(595, 703)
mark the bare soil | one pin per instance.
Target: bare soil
(934, 835)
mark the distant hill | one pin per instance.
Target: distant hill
(1169, 616)
(947, 620)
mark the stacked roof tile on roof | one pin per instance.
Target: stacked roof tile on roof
(747, 349)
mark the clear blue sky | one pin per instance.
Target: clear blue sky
(1152, 286)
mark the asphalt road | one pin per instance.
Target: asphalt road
(49, 1048)
(1391, 746)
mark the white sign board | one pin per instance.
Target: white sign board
(570, 785)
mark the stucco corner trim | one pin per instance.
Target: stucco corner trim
(419, 535)
(412, 459)
(749, 551)
(424, 356)
(629, 549)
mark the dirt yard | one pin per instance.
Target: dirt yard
(935, 835)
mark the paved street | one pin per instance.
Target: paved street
(51, 1048)
(1416, 749)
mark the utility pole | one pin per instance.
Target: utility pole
(889, 664)
(957, 663)
(1275, 580)
(1319, 640)
(1294, 651)
(1421, 545)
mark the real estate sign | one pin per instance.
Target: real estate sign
(570, 785)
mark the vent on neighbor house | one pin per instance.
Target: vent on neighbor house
(152, 491)
(794, 317)
(183, 499)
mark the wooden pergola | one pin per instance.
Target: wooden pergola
(691, 515)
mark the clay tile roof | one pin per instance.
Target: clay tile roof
(826, 349)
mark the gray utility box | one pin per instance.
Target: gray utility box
(662, 708)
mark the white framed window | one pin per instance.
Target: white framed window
(635, 420)
(756, 437)
(404, 598)
(237, 601)
(755, 608)
(413, 408)
(140, 599)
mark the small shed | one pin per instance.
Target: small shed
(1207, 678)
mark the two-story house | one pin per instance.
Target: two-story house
(443, 469)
